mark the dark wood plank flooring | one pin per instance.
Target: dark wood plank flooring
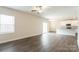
(49, 42)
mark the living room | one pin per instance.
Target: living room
(35, 28)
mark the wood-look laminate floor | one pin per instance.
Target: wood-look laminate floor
(49, 42)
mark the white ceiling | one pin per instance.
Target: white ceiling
(51, 12)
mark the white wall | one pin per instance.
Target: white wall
(57, 24)
(26, 25)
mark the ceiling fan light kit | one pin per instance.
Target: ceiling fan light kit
(37, 9)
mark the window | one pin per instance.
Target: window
(45, 27)
(7, 24)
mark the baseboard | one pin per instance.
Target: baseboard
(1, 42)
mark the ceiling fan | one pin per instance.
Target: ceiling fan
(37, 9)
